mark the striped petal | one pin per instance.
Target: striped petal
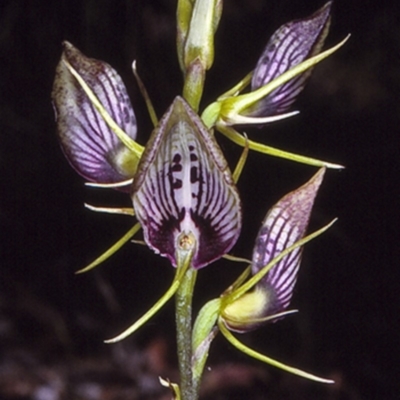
(290, 45)
(184, 186)
(285, 224)
(90, 145)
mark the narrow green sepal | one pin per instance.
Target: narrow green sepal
(238, 282)
(113, 249)
(113, 185)
(230, 297)
(145, 94)
(109, 210)
(232, 107)
(184, 257)
(241, 162)
(241, 140)
(230, 257)
(131, 144)
(258, 356)
(240, 86)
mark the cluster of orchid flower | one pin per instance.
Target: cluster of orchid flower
(183, 192)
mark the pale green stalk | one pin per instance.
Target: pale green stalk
(183, 315)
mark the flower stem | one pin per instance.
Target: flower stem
(194, 84)
(183, 315)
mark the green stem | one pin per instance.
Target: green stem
(194, 84)
(183, 315)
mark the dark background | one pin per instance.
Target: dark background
(52, 322)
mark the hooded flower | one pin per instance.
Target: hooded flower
(280, 74)
(184, 197)
(184, 189)
(93, 112)
(249, 303)
(284, 225)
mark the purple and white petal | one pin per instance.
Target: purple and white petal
(183, 185)
(285, 224)
(89, 144)
(290, 45)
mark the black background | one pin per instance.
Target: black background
(348, 286)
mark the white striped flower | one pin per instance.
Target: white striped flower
(183, 192)
(93, 111)
(289, 46)
(279, 76)
(284, 225)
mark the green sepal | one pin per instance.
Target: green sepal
(211, 114)
(241, 140)
(184, 258)
(230, 107)
(241, 162)
(230, 257)
(234, 106)
(258, 356)
(234, 91)
(232, 295)
(131, 144)
(111, 210)
(113, 249)
(145, 94)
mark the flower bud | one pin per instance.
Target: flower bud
(199, 41)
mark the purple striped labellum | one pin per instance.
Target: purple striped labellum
(183, 192)
(284, 225)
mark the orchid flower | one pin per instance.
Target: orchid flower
(265, 297)
(279, 76)
(284, 225)
(184, 197)
(183, 187)
(95, 120)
